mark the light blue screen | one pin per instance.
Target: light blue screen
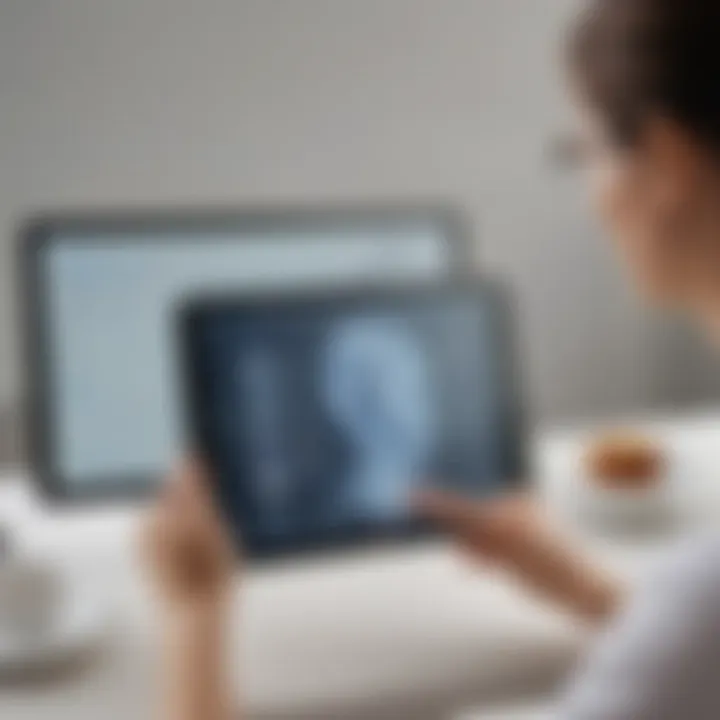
(115, 399)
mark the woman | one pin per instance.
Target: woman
(645, 75)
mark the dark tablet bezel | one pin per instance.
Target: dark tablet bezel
(134, 225)
(194, 311)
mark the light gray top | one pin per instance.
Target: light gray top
(661, 659)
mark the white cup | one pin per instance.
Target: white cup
(31, 595)
(627, 510)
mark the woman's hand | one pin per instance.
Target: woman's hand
(185, 545)
(513, 534)
(191, 563)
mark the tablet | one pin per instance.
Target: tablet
(320, 416)
(100, 290)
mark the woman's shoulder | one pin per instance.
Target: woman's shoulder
(658, 659)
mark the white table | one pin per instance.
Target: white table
(397, 633)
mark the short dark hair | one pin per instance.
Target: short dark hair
(633, 58)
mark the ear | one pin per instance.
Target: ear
(677, 164)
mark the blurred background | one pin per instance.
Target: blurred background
(181, 102)
(240, 103)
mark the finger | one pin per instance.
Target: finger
(188, 472)
(188, 490)
(174, 489)
(155, 534)
(448, 509)
(474, 556)
(196, 504)
(196, 480)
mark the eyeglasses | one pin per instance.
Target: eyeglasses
(569, 152)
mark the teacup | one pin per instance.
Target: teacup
(30, 599)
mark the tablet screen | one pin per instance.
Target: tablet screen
(105, 296)
(321, 417)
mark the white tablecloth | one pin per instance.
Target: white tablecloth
(393, 633)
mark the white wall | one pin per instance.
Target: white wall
(156, 101)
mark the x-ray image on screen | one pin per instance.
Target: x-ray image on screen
(376, 387)
(321, 415)
(261, 381)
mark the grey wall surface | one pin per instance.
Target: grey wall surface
(144, 102)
